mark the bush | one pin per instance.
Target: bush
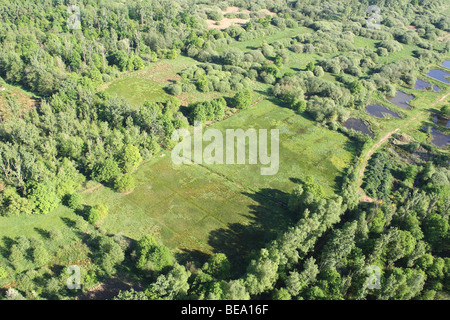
(125, 183)
(75, 201)
(130, 158)
(3, 272)
(40, 256)
(152, 256)
(97, 213)
(175, 89)
(242, 99)
(43, 196)
(106, 171)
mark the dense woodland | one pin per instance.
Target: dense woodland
(77, 132)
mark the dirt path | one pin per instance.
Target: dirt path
(371, 151)
(440, 100)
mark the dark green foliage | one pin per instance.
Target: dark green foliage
(207, 110)
(242, 99)
(152, 256)
(75, 201)
(106, 171)
(378, 178)
(97, 213)
(218, 266)
(124, 183)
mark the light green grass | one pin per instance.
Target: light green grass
(201, 207)
(137, 90)
(214, 208)
(251, 44)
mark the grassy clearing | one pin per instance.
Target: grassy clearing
(148, 84)
(226, 208)
(252, 44)
(25, 99)
(305, 149)
(137, 90)
(201, 209)
(198, 209)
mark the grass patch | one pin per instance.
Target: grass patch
(226, 208)
(137, 90)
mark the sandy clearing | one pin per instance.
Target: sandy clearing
(227, 22)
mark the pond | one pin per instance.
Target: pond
(423, 85)
(446, 64)
(379, 111)
(441, 121)
(402, 100)
(439, 75)
(358, 125)
(440, 139)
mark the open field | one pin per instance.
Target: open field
(199, 209)
(195, 207)
(137, 90)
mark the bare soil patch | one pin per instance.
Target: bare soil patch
(108, 289)
(444, 38)
(227, 22)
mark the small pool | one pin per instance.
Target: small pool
(440, 139)
(446, 64)
(423, 85)
(439, 75)
(358, 125)
(441, 121)
(402, 100)
(379, 111)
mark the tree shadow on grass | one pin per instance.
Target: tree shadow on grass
(7, 243)
(264, 220)
(43, 233)
(69, 222)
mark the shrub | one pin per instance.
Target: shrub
(125, 183)
(106, 171)
(130, 158)
(242, 99)
(175, 89)
(75, 201)
(3, 272)
(151, 255)
(97, 213)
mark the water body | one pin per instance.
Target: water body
(423, 85)
(440, 139)
(441, 121)
(358, 125)
(379, 111)
(446, 64)
(402, 100)
(439, 75)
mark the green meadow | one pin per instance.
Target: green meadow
(137, 90)
(200, 209)
(226, 208)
